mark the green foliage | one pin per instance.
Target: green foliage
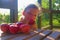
(54, 2)
(55, 22)
(56, 19)
(45, 19)
(4, 18)
(19, 15)
(45, 4)
(0, 18)
(45, 16)
(7, 18)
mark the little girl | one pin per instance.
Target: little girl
(30, 13)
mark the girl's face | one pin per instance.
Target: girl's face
(31, 13)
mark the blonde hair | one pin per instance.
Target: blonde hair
(31, 6)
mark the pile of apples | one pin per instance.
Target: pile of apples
(18, 27)
(15, 28)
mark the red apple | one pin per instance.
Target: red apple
(13, 28)
(4, 27)
(25, 28)
(19, 24)
(31, 22)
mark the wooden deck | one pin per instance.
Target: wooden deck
(34, 35)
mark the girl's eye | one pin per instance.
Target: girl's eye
(30, 13)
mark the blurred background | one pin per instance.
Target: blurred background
(46, 20)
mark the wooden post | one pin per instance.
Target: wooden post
(14, 12)
(50, 7)
(12, 5)
(39, 17)
(39, 22)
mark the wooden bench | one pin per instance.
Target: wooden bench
(53, 36)
(34, 35)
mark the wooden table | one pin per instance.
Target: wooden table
(34, 35)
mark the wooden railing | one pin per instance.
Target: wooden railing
(50, 12)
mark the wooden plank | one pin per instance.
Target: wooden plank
(55, 11)
(54, 36)
(48, 10)
(32, 35)
(39, 36)
(6, 36)
(45, 34)
(11, 36)
(24, 36)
